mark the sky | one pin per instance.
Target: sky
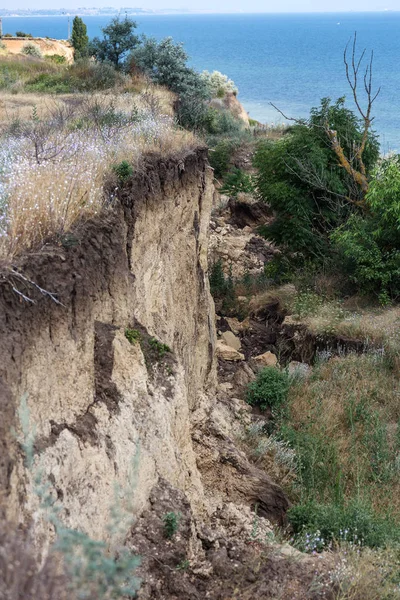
(220, 6)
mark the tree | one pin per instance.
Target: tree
(118, 40)
(304, 183)
(166, 64)
(319, 173)
(79, 37)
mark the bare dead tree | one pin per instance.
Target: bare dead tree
(354, 165)
(353, 161)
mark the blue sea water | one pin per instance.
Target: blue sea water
(290, 60)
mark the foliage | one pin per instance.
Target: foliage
(58, 59)
(118, 39)
(317, 526)
(22, 34)
(123, 170)
(236, 182)
(222, 288)
(300, 177)
(220, 156)
(166, 64)
(133, 335)
(221, 121)
(370, 246)
(337, 424)
(31, 50)
(269, 390)
(219, 84)
(79, 37)
(84, 75)
(160, 348)
(171, 524)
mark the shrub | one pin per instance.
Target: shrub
(133, 335)
(221, 121)
(301, 179)
(171, 524)
(166, 64)
(31, 50)
(57, 59)
(269, 390)
(159, 348)
(235, 182)
(219, 84)
(317, 526)
(220, 156)
(222, 288)
(23, 34)
(369, 245)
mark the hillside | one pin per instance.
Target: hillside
(192, 406)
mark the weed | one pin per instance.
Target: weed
(269, 390)
(160, 348)
(183, 565)
(123, 170)
(171, 524)
(133, 336)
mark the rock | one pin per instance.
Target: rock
(238, 326)
(225, 387)
(299, 369)
(231, 340)
(243, 376)
(267, 359)
(227, 353)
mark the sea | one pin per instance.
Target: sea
(290, 60)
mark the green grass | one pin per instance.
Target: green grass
(343, 424)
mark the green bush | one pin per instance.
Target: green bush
(300, 177)
(166, 64)
(369, 245)
(57, 59)
(316, 526)
(221, 121)
(236, 182)
(82, 76)
(22, 34)
(269, 390)
(220, 156)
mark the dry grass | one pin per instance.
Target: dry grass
(54, 165)
(353, 402)
(365, 575)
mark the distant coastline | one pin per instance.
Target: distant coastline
(82, 12)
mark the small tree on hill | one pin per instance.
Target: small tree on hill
(118, 39)
(79, 37)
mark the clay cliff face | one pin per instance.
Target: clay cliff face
(47, 46)
(97, 401)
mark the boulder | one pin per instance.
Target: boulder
(238, 326)
(227, 352)
(266, 360)
(231, 340)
